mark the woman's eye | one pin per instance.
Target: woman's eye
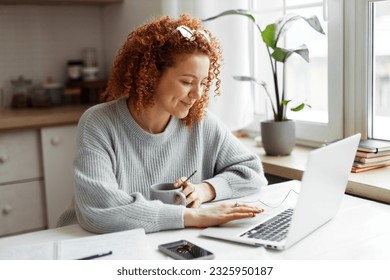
(187, 83)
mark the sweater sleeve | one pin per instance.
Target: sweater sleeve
(102, 207)
(238, 171)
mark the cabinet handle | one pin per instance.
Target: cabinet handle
(3, 159)
(55, 140)
(6, 210)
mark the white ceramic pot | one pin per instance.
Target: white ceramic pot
(278, 138)
(90, 73)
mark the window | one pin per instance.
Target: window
(367, 89)
(313, 88)
(318, 83)
(379, 67)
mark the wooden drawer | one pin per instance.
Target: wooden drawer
(20, 156)
(58, 143)
(21, 207)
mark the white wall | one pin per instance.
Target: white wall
(119, 20)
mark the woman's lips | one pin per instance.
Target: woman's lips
(188, 104)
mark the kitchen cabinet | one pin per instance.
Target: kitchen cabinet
(22, 207)
(58, 150)
(53, 2)
(22, 204)
(20, 156)
(36, 177)
(36, 158)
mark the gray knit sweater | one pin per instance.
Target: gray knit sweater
(116, 162)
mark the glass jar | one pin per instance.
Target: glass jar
(55, 91)
(41, 98)
(21, 96)
(75, 70)
(90, 57)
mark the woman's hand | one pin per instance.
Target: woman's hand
(196, 194)
(218, 214)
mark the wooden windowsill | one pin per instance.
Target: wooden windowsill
(374, 184)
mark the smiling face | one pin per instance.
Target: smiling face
(182, 85)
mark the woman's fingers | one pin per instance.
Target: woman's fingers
(239, 215)
(219, 214)
(246, 208)
(180, 181)
(189, 190)
(195, 204)
(192, 197)
(239, 212)
(236, 207)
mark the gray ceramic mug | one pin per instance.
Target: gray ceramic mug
(166, 193)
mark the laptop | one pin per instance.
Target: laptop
(322, 188)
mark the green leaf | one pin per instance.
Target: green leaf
(298, 108)
(268, 35)
(286, 22)
(281, 54)
(315, 24)
(285, 102)
(233, 12)
(303, 51)
(239, 12)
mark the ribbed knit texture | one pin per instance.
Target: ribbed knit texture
(117, 161)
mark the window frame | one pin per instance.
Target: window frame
(355, 113)
(358, 73)
(319, 133)
(313, 133)
(371, 71)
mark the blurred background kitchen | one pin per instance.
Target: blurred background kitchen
(53, 46)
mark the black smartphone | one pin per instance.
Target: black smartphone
(185, 250)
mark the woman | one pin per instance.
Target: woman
(154, 128)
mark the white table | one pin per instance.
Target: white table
(360, 230)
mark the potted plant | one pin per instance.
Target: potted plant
(278, 134)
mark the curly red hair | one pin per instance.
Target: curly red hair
(152, 48)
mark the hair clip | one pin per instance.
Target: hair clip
(189, 33)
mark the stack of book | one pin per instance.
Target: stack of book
(371, 154)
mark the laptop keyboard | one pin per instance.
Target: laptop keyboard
(274, 229)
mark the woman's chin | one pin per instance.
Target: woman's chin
(182, 115)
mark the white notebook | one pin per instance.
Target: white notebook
(124, 245)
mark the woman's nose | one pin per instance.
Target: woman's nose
(196, 92)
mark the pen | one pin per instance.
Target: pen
(187, 179)
(96, 256)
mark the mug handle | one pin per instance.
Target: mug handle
(182, 197)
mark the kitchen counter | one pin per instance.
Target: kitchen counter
(13, 119)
